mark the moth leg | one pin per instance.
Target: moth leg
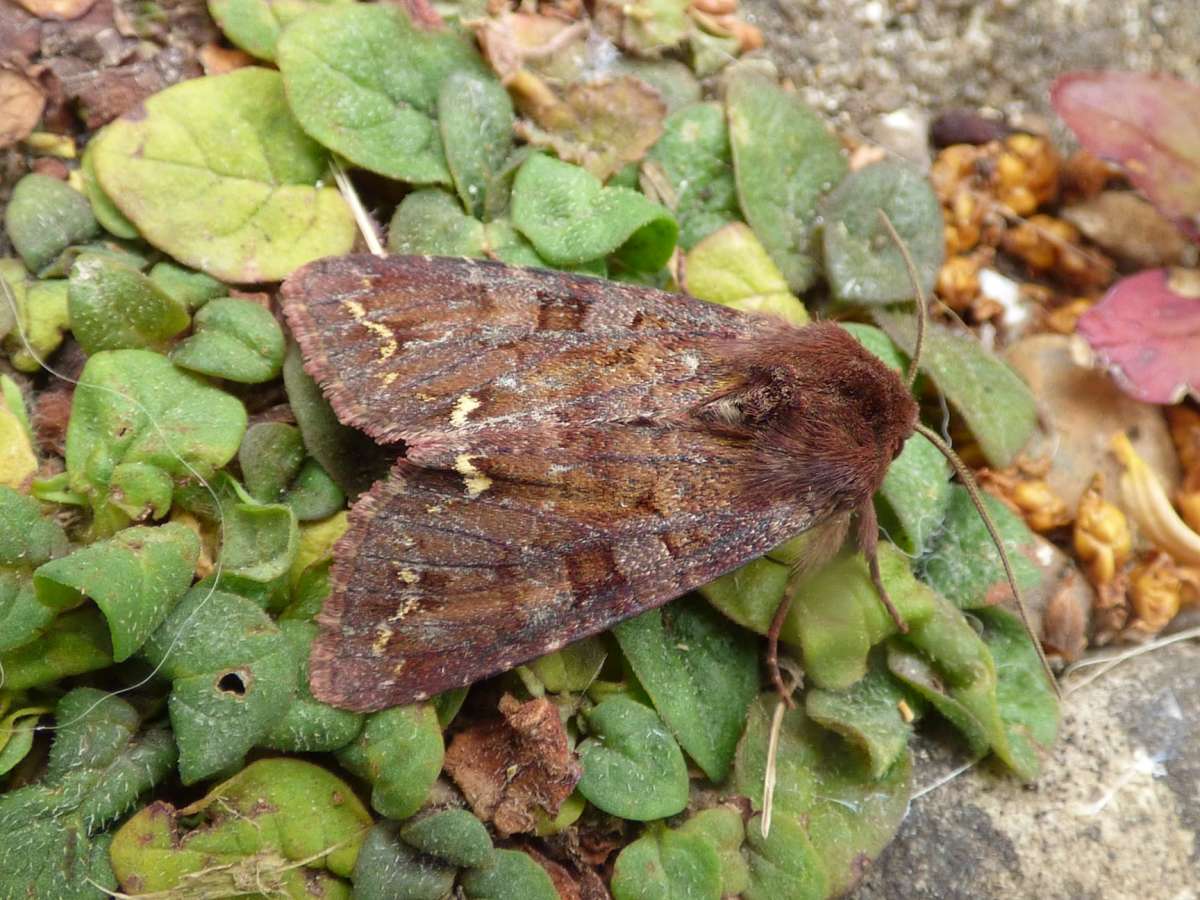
(868, 543)
(773, 643)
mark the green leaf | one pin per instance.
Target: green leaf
(308, 593)
(750, 594)
(996, 404)
(400, 752)
(135, 577)
(732, 268)
(645, 27)
(255, 25)
(711, 52)
(141, 491)
(1028, 706)
(260, 541)
(76, 642)
(664, 864)
(43, 315)
(16, 735)
(963, 565)
(349, 456)
(432, 222)
(632, 767)
(570, 218)
(784, 863)
(133, 406)
(364, 81)
(862, 262)
(310, 726)
(837, 616)
(270, 457)
(111, 219)
(954, 670)
(389, 869)
(51, 841)
(454, 835)
(912, 501)
(44, 216)
(115, 307)
(722, 828)
(475, 115)
(314, 495)
(673, 79)
(868, 715)
(233, 677)
(234, 339)
(27, 538)
(22, 617)
(192, 289)
(700, 673)
(694, 157)
(511, 875)
(215, 172)
(830, 814)
(573, 668)
(285, 826)
(784, 160)
(919, 674)
(916, 491)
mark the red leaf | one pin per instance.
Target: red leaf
(1149, 124)
(1147, 328)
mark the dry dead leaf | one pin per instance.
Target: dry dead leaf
(601, 125)
(21, 105)
(217, 60)
(106, 93)
(1064, 623)
(508, 769)
(20, 35)
(1128, 227)
(62, 10)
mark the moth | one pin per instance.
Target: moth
(575, 451)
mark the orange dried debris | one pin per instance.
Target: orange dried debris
(1102, 537)
(1028, 495)
(1052, 246)
(1063, 319)
(958, 282)
(1043, 509)
(1158, 587)
(1084, 175)
(1026, 174)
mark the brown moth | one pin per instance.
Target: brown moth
(575, 451)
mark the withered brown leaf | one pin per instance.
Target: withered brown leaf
(576, 451)
(510, 768)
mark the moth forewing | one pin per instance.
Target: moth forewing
(576, 452)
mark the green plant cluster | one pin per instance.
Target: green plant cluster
(179, 548)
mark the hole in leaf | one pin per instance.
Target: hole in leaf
(232, 683)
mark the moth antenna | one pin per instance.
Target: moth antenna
(973, 490)
(362, 218)
(915, 277)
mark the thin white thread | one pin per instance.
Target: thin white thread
(366, 225)
(1110, 661)
(11, 300)
(944, 780)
